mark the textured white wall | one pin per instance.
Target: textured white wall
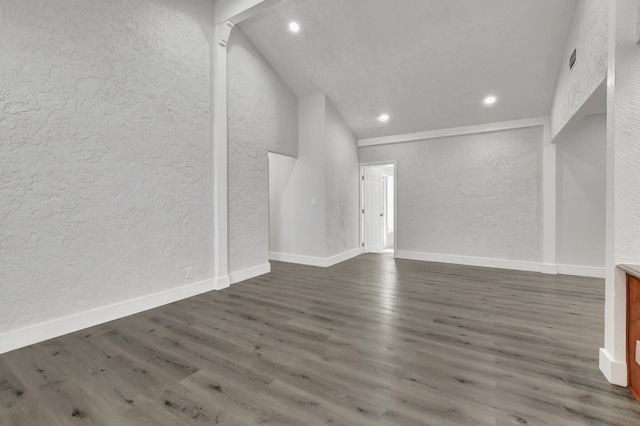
(626, 128)
(623, 180)
(263, 116)
(581, 193)
(343, 184)
(589, 34)
(104, 140)
(475, 195)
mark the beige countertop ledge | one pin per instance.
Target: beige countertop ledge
(630, 269)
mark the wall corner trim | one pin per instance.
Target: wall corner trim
(247, 274)
(222, 282)
(549, 268)
(455, 131)
(33, 334)
(323, 262)
(342, 257)
(615, 371)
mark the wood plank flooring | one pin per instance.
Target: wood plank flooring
(371, 341)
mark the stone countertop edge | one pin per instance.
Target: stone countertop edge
(630, 269)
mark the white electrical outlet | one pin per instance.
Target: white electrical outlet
(189, 272)
(314, 201)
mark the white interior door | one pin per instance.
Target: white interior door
(373, 195)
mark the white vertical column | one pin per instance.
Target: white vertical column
(623, 229)
(219, 151)
(610, 352)
(549, 265)
(227, 12)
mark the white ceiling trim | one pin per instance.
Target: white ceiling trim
(455, 131)
(237, 11)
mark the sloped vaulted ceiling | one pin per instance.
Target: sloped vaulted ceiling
(428, 63)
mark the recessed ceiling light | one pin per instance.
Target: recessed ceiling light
(490, 100)
(294, 27)
(383, 118)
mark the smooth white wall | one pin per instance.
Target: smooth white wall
(475, 195)
(589, 34)
(300, 227)
(581, 193)
(105, 189)
(262, 117)
(343, 184)
(326, 169)
(282, 209)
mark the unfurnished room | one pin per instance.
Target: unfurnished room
(302, 212)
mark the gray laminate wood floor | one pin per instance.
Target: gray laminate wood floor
(370, 341)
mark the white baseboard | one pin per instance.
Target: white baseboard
(339, 258)
(222, 282)
(294, 258)
(582, 271)
(323, 262)
(470, 261)
(48, 330)
(247, 274)
(549, 268)
(614, 371)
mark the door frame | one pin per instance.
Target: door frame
(387, 243)
(395, 201)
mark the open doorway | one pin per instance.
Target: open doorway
(378, 207)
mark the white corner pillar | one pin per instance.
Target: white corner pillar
(549, 264)
(623, 163)
(222, 32)
(612, 357)
(227, 13)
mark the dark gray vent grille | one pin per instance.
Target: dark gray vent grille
(572, 59)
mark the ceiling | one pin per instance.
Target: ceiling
(427, 63)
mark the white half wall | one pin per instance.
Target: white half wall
(343, 184)
(282, 198)
(581, 194)
(297, 190)
(589, 35)
(314, 198)
(470, 196)
(105, 145)
(262, 117)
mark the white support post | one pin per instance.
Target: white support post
(227, 14)
(549, 264)
(622, 58)
(219, 151)
(613, 355)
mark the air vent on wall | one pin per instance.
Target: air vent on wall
(572, 59)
